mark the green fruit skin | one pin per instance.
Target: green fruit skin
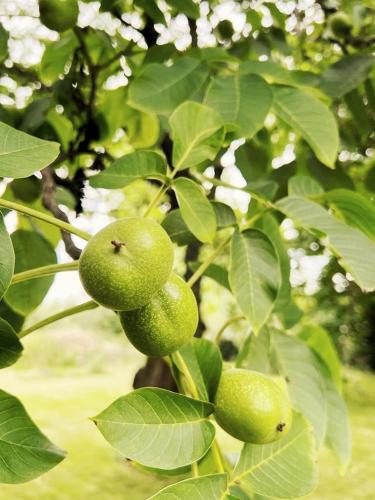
(251, 407)
(58, 15)
(166, 323)
(127, 277)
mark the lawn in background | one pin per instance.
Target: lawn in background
(70, 374)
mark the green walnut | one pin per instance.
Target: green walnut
(126, 263)
(166, 323)
(58, 15)
(340, 24)
(252, 407)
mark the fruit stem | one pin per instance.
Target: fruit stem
(201, 269)
(225, 326)
(44, 217)
(117, 245)
(55, 317)
(38, 272)
(192, 389)
(186, 373)
(194, 469)
(218, 457)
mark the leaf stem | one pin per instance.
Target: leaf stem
(225, 326)
(194, 469)
(201, 269)
(44, 217)
(38, 272)
(86, 306)
(163, 189)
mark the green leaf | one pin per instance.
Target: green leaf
(123, 171)
(56, 57)
(297, 364)
(346, 74)
(354, 250)
(338, 437)
(242, 100)
(269, 225)
(319, 340)
(197, 133)
(283, 469)
(225, 216)
(177, 229)
(4, 37)
(196, 210)
(158, 428)
(187, 7)
(6, 258)
(311, 118)
(212, 487)
(203, 359)
(26, 453)
(161, 88)
(15, 320)
(255, 352)
(10, 347)
(215, 272)
(303, 185)
(354, 209)
(21, 154)
(254, 275)
(31, 250)
(151, 8)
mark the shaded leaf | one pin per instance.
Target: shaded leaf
(242, 100)
(26, 453)
(21, 154)
(203, 359)
(197, 134)
(6, 258)
(354, 209)
(346, 74)
(303, 185)
(161, 88)
(297, 364)
(177, 229)
(311, 118)
(215, 272)
(354, 250)
(225, 216)
(319, 340)
(56, 56)
(196, 210)
(148, 419)
(10, 347)
(254, 275)
(283, 469)
(211, 487)
(123, 171)
(31, 250)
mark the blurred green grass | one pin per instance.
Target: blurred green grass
(71, 373)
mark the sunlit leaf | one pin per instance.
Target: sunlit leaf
(125, 170)
(25, 452)
(197, 133)
(21, 154)
(155, 419)
(211, 487)
(283, 469)
(196, 210)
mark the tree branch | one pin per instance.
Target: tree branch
(49, 202)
